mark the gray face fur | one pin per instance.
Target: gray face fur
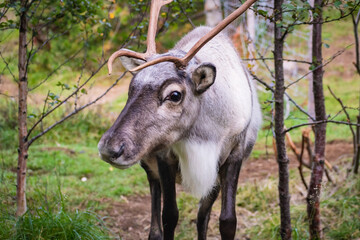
(162, 105)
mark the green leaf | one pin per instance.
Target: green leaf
(262, 12)
(337, 3)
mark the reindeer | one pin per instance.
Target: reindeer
(192, 116)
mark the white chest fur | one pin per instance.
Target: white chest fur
(199, 165)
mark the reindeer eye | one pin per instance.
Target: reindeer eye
(174, 96)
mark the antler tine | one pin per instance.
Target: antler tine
(123, 52)
(154, 16)
(151, 45)
(182, 62)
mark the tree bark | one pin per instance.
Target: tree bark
(311, 107)
(282, 158)
(356, 158)
(22, 115)
(313, 197)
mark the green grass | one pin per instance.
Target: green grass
(49, 218)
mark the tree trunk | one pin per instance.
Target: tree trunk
(311, 108)
(22, 117)
(356, 158)
(213, 12)
(313, 197)
(282, 158)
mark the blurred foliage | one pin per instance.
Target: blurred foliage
(78, 34)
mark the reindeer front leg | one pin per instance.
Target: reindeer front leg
(170, 214)
(155, 191)
(203, 216)
(229, 174)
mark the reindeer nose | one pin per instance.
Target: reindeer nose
(120, 152)
(111, 154)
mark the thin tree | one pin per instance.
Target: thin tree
(26, 52)
(282, 159)
(313, 197)
(22, 115)
(356, 21)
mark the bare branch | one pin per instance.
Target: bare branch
(301, 162)
(320, 122)
(267, 86)
(75, 111)
(66, 99)
(286, 60)
(6, 95)
(347, 116)
(329, 60)
(186, 15)
(32, 53)
(7, 67)
(56, 69)
(326, 21)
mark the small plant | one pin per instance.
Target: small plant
(52, 220)
(46, 224)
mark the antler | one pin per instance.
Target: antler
(182, 62)
(151, 45)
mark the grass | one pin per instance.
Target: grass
(340, 206)
(49, 218)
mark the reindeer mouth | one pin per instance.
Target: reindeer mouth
(119, 162)
(122, 166)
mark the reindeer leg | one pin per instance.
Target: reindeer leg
(170, 214)
(203, 216)
(155, 191)
(229, 174)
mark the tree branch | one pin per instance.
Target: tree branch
(8, 68)
(66, 99)
(347, 116)
(286, 60)
(329, 60)
(75, 111)
(320, 122)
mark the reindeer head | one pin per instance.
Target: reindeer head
(164, 96)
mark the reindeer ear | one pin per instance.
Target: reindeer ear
(130, 63)
(203, 77)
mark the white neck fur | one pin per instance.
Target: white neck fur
(199, 166)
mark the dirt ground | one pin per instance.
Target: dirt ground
(130, 218)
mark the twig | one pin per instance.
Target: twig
(347, 116)
(301, 162)
(328, 176)
(186, 15)
(326, 21)
(298, 154)
(6, 95)
(329, 60)
(286, 60)
(320, 122)
(56, 69)
(306, 133)
(267, 86)
(67, 98)
(8, 68)
(75, 111)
